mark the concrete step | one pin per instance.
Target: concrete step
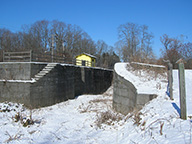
(45, 71)
(38, 76)
(51, 64)
(41, 74)
(36, 79)
(48, 68)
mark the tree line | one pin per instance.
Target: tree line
(134, 43)
(176, 48)
(64, 39)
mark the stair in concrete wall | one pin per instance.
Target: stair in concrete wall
(45, 71)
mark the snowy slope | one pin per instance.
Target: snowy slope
(79, 121)
(142, 81)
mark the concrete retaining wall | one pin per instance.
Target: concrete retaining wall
(125, 96)
(60, 84)
(56, 86)
(19, 71)
(15, 92)
(142, 99)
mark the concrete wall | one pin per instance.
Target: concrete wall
(60, 84)
(142, 99)
(56, 86)
(125, 96)
(19, 71)
(15, 92)
(36, 68)
(15, 71)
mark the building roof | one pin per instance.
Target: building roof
(92, 56)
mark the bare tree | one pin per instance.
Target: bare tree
(40, 34)
(69, 40)
(171, 49)
(129, 35)
(146, 41)
(101, 47)
(165, 40)
(59, 31)
(134, 42)
(186, 50)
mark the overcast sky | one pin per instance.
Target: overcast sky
(101, 18)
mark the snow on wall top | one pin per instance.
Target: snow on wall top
(152, 65)
(144, 85)
(19, 81)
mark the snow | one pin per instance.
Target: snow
(90, 55)
(152, 65)
(100, 68)
(141, 80)
(76, 121)
(19, 81)
(188, 87)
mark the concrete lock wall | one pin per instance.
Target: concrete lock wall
(56, 86)
(19, 71)
(15, 92)
(63, 82)
(125, 96)
(142, 99)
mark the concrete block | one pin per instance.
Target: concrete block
(124, 101)
(124, 95)
(142, 99)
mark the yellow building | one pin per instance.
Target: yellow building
(85, 59)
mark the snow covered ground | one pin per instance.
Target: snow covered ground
(188, 83)
(90, 119)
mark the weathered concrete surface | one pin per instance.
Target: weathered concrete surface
(15, 92)
(56, 86)
(63, 82)
(142, 99)
(19, 71)
(125, 96)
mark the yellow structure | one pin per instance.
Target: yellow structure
(85, 59)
